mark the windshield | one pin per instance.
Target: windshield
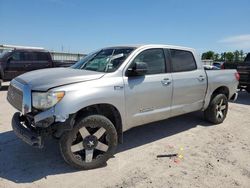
(105, 60)
(4, 52)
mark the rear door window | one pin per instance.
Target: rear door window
(42, 56)
(182, 60)
(36, 56)
(30, 56)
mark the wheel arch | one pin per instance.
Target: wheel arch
(107, 110)
(212, 93)
(220, 90)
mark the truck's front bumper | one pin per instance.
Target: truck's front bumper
(26, 134)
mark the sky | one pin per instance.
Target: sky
(82, 26)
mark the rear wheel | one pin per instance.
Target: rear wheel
(90, 144)
(217, 109)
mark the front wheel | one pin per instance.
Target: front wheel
(217, 109)
(90, 143)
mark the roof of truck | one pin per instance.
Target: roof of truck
(152, 45)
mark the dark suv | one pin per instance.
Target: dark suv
(18, 61)
(244, 71)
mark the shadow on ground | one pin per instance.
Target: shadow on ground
(4, 88)
(21, 163)
(243, 98)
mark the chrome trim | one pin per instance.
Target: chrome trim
(26, 99)
(26, 104)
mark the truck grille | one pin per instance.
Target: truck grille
(15, 97)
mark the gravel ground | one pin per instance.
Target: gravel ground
(209, 156)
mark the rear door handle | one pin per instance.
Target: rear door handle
(201, 78)
(166, 81)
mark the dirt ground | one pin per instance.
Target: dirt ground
(209, 156)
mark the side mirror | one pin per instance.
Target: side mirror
(139, 69)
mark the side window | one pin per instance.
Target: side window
(182, 60)
(18, 56)
(42, 56)
(155, 60)
(30, 56)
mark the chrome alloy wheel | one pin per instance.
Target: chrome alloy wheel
(221, 109)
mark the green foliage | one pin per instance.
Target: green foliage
(236, 56)
(208, 55)
(229, 56)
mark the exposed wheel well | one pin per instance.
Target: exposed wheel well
(107, 110)
(221, 90)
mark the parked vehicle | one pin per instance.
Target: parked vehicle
(218, 64)
(230, 65)
(211, 67)
(90, 105)
(14, 62)
(244, 72)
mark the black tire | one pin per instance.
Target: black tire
(217, 112)
(95, 125)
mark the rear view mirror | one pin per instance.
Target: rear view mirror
(138, 69)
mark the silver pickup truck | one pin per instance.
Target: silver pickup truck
(89, 105)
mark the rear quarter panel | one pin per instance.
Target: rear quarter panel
(219, 78)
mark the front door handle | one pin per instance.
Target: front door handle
(166, 81)
(201, 78)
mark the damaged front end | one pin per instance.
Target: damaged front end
(32, 125)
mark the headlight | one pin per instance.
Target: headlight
(42, 100)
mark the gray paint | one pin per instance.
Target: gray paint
(42, 80)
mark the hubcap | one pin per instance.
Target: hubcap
(90, 144)
(220, 109)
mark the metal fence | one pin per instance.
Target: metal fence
(63, 56)
(57, 56)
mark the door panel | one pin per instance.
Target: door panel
(16, 65)
(189, 83)
(15, 68)
(39, 60)
(148, 98)
(188, 91)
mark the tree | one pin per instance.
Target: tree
(229, 56)
(236, 56)
(241, 55)
(216, 57)
(208, 55)
(223, 56)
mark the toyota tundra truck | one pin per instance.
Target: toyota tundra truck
(90, 105)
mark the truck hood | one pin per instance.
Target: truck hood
(43, 80)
